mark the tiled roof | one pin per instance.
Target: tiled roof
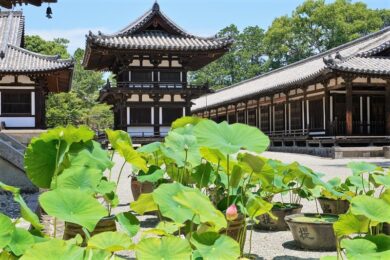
(307, 69)
(368, 65)
(134, 36)
(157, 40)
(19, 60)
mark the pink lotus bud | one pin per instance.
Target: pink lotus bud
(231, 213)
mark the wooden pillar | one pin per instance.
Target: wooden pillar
(327, 109)
(258, 113)
(272, 116)
(236, 113)
(387, 107)
(157, 119)
(286, 114)
(227, 113)
(246, 121)
(348, 106)
(304, 112)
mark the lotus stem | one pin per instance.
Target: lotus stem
(318, 212)
(250, 240)
(111, 159)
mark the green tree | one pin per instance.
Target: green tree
(316, 26)
(57, 46)
(79, 106)
(244, 60)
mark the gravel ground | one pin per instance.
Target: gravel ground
(265, 244)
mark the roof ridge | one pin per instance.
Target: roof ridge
(42, 56)
(133, 26)
(321, 54)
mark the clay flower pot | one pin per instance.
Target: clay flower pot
(104, 225)
(279, 224)
(137, 188)
(236, 229)
(313, 233)
(331, 206)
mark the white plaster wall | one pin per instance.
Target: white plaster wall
(18, 121)
(139, 131)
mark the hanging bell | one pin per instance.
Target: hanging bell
(2, 55)
(49, 12)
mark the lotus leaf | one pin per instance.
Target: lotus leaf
(150, 148)
(373, 208)
(131, 156)
(145, 203)
(54, 249)
(181, 204)
(230, 139)
(362, 167)
(236, 176)
(74, 206)
(129, 223)
(152, 177)
(80, 178)
(349, 224)
(21, 241)
(256, 206)
(6, 230)
(69, 134)
(116, 136)
(358, 247)
(186, 120)
(181, 149)
(27, 213)
(212, 246)
(381, 241)
(167, 248)
(110, 241)
(203, 175)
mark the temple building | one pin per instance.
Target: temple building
(150, 59)
(26, 77)
(340, 97)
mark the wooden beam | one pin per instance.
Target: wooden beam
(348, 107)
(387, 107)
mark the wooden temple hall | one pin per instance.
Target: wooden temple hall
(150, 59)
(337, 98)
(26, 77)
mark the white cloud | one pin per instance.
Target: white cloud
(76, 36)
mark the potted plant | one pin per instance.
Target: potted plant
(333, 204)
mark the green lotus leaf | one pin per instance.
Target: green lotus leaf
(256, 163)
(382, 180)
(230, 139)
(80, 178)
(182, 149)
(92, 253)
(236, 176)
(167, 248)
(69, 134)
(211, 245)
(6, 230)
(131, 156)
(256, 206)
(186, 120)
(115, 136)
(373, 208)
(212, 155)
(73, 206)
(181, 204)
(386, 196)
(145, 203)
(203, 175)
(110, 241)
(362, 167)
(150, 148)
(357, 182)
(89, 155)
(169, 227)
(152, 177)
(40, 162)
(129, 223)
(381, 241)
(355, 247)
(21, 240)
(54, 249)
(349, 224)
(27, 213)
(105, 186)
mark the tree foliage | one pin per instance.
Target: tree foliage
(313, 27)
(79, 106)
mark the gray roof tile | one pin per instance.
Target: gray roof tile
(302, 71)
(17, 59)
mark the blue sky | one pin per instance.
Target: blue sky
(74, 18)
